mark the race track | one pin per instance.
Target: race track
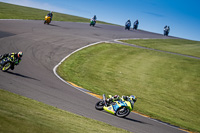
(44, 46)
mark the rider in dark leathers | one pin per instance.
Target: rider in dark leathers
(136, 23)
(128, 22)
(50, 14)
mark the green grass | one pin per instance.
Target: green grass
(10, 11)
(23, 115)
(181, 46)
(167, 86)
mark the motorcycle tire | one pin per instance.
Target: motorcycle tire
(122, 112)
(99, 105)
(6, 66)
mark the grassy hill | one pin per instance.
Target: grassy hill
(10, 11)
(180, 46)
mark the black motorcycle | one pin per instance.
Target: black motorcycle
(135, 27)
(128, 26)
(6, 63)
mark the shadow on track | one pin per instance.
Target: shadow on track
(129, 119)
(97, 27)
(20, 75)
(136, 121)
(54, 25)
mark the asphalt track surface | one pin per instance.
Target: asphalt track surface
(44, 46)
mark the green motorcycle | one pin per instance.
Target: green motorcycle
(92, 22)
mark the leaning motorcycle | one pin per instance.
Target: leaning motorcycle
(92, 22)
(135, 27)
(47, 20)
(5, 63)
(120, 108)
(127, 26)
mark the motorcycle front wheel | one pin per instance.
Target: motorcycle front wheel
(6, 66)
(99, 105)
(122, 112)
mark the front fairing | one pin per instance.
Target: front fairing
(130, 105)
(47, 18)
(109, 109)
(92, 22)
(116, 105)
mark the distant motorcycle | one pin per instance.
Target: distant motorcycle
(166, 32)
(128, 26)
(92, 22)
(47, 20)
(120, 108)
(135, 27)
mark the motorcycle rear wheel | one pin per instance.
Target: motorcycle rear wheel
(122, 112)
(99, 105)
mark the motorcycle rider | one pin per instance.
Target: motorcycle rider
(128, 22)
(166, 30)
(114, 98)
(94, 18)
(50, 14)
(15, 57)
(136, 24)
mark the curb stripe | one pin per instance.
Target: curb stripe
(74, 85)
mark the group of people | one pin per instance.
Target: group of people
(128, 24)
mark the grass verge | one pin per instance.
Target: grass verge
(10, 11)
(180, 46)
(167, 86)
(21, 115)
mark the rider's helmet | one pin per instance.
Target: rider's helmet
(133, 98)
(20, 54)
(116, 97)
